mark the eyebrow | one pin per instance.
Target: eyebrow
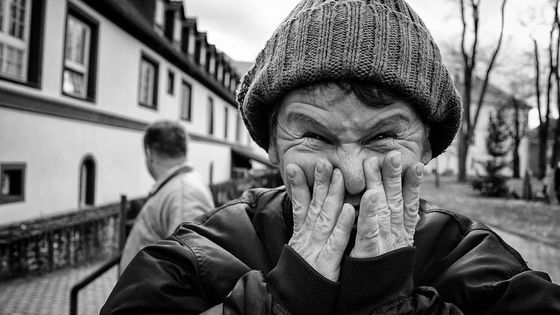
(396, 120)
(304, 119)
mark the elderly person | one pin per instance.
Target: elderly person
(350, 99)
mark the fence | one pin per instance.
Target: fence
(229, 190)
(39, 246)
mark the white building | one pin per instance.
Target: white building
(81, 79)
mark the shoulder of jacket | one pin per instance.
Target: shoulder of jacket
(434, 217)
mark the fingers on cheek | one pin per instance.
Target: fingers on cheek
(323, 171)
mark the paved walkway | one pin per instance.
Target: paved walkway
(50, 294)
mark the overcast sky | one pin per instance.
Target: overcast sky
(240, 28)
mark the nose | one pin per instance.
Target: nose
(351, 165)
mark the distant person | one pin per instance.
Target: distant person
(179, 194)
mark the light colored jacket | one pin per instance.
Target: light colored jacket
(179, 196)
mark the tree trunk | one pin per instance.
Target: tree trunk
(462, 155)
(556, 146)
(516, 163)
(543, 137)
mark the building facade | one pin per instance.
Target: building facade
(79, 82)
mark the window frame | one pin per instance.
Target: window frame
(87, 179)
(4, 199)
(90, 71)
(238, 128)
(34, 57)
(226, 122)
(170, 82)
(210, 106)
(188, 117)
(159, 15)
(14, 42)
(155, 85)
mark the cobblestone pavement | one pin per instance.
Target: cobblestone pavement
(539, 256)
(50, 294)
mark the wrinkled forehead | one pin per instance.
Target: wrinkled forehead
(368, 99)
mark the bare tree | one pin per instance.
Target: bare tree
(544, 118)
(517, 133)
(556, 146)
(466, 132)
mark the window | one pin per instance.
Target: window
(186, 98)
(12, 182)
(226, 122)
(78, 75)
(147, 89)
(170, 82)
(226, 79)
(210, 115)
(87, 182)
(14, 38)
(159, 17)
(238, 128)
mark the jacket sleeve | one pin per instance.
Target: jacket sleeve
(166, 278)
(384, 285)
(473, 272)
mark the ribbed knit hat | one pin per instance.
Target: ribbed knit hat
(380, 41)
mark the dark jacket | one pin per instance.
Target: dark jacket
(235, 260)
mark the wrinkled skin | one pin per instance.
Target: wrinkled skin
(342, 160)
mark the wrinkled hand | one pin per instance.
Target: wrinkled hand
(322, 224)
(388, 210)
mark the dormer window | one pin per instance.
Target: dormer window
(226, 79)
(177, 30)
(220, 72)
(159, 17)
(190, 37)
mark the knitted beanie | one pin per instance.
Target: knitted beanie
(379, 41)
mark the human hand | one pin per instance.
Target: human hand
(388, 209)
(322, 224)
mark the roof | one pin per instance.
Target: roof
(125, 14)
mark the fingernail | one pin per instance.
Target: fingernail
(396, 160)
(321, 166)
(336, 175)
(291, 171)
(420, 170)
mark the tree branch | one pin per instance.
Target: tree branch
(537, 79)
(490, 65)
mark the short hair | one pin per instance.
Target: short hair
(167, 138)
(369, 94)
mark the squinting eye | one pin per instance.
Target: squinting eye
(316, 137)
(383, 136)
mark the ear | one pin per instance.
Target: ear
(149, 154)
